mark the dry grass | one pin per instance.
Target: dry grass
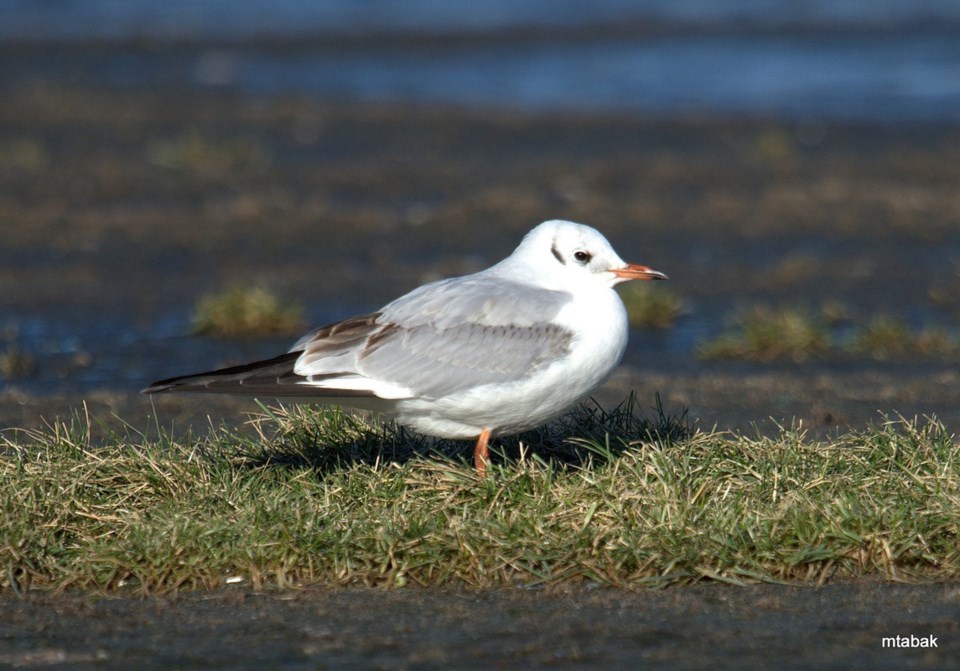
(607, 497)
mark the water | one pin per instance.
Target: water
(864, 60)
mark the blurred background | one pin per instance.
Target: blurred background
(185, 185)
(860, 60)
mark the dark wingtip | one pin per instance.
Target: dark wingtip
(171, 383)
(200, 382)
(159, 387)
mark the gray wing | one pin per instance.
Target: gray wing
(440, 339)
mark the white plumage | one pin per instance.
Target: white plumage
(497, 352)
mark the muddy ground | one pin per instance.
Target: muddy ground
(838, 626)
(119, 209)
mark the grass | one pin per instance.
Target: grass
(319, 496)
(19, 155)
(15, 363)
(766, 334)
(885, 337)
(763, 333)
(193, 152)
(650, 306)
(246, 312)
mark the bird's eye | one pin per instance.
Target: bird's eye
(582, 256)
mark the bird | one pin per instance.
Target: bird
(489, 354)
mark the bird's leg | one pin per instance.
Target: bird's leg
(481, 453)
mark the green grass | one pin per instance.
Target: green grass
(318, 496)
(884, 337)
(195, 152)
(19, 155)
(650, 305)
(246, 312)
(15, 363)
(764, 333)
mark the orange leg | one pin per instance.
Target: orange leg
(481, 454)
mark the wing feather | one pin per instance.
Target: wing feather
(439, 339)
(443, 338)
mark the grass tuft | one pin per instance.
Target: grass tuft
(650, 306)
(15, 363)
(763, 333)
(246, 312)
(23, 155)
(766, 334)
(885, 337)
(610, 497)
(194, 152)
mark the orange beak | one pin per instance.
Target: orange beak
(633, 271)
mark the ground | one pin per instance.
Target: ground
(840, 626)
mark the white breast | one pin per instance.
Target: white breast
(599, 323)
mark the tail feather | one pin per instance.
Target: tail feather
(273, 377)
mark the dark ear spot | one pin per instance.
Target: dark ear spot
(557, 256)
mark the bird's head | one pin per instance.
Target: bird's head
(565, 255)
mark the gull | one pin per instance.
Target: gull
(494, 353)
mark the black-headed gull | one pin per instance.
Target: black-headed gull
(494, 353)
